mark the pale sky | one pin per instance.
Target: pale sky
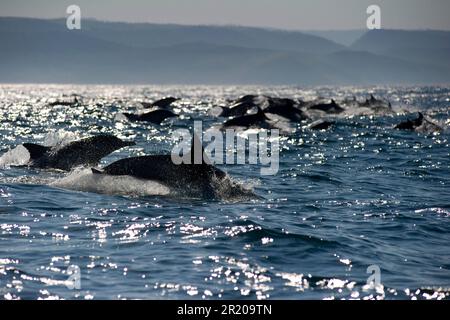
(281, 14)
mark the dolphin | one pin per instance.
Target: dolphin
(190, 179)
(87, 151)
(375, 103)
(332, 107)
(243, 105)
(420, 124)
(283, 107)
(162, 103)
(411, 124)
(286, 109)
(64, 103)
(258, 119)
(155, 116)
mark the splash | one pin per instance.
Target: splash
(19, 156)
(59, 138)
(229, 189)
(85, 180)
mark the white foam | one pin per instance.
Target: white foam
(230, 189)
(85, 180)
(20, 156)
(59, 138)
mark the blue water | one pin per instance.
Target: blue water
(358, 195)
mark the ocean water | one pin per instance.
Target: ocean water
(356, 198)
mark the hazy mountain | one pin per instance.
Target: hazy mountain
(343, 37)
(146, 35)
(426, 46)
(35, 50)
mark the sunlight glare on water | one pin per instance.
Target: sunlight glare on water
(358, 195)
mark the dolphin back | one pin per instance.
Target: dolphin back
(36, 150)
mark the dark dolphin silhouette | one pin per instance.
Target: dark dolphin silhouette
(258, 119)
(332, 107)
(190, 179)
(75, 102)
(420, 124)
(155, 116)
(242, 106)
(411, 124)
(285, 108)
(162, 103)
(373, 102)
(85, 152)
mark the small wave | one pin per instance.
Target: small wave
(318, 177)
(253, 231)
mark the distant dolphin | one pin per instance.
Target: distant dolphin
(375, 103)
(64, 103)
(258, 119)
(162, 103)
(87, 151)
(191, 179)
(286, 109)
(155, 116)
(420, 124)
(332, 107)
(241, 106)
(411, 124)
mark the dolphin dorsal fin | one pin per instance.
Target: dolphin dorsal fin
(36, 150)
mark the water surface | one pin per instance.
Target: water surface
(358, 195)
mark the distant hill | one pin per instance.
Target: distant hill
(343, 37)
(44, 51)
(147, 35)
(426, 46)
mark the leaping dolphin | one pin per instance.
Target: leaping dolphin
(85, 152)
(190, 179)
